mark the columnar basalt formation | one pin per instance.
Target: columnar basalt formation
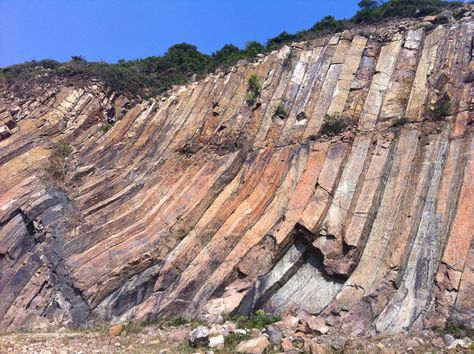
(196, 203)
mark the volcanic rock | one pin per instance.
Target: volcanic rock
(216, 341)
(199, 336)
(253, 346)
(182, 208)
(275, 335)
(116, 330)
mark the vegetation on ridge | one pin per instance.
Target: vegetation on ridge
(281, 112)
(56, 166)
(258, 320)
(334, 124)
(183, 62)
(372, 10)
(254, 90)
(441, 109)
(400, 122)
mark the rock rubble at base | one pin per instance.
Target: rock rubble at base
(174, 340)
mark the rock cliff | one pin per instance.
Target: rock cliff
(198, 203)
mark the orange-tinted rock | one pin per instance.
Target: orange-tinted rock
(116, 330)
(196, 204)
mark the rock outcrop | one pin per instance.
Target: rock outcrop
(196, 203)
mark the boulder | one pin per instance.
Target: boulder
(286, 344)
(438, 342)
(253, 346)
(4, 132)
(229, 327)
(347, 35)
(448, 339)
(314, 347)
(199, 336)
(217, 330)
(458, 344)
(254, 333)
(315, 324)
(431, 19)
(217, 341)
(288, 323)
(412, 343)
(116, 330)
(275, 335)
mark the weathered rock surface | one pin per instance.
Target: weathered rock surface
(199, 336)
(182, 207)
(253, 346)
(152, 340)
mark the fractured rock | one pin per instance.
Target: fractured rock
(195, 204)
(253, 346)
(216, 341)
(199, 336)
(287, 345)
(438, 342)
(116, 330)
(275, 335)
(448, 339)
(288, 323)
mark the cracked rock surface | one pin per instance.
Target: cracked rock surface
(196, 204)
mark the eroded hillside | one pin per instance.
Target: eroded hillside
(198, 203)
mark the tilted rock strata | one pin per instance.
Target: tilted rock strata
(195, 203)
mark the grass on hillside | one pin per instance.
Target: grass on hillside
(183, 62)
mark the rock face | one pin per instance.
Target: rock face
(195, 200)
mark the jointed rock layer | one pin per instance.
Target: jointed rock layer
(196, 203)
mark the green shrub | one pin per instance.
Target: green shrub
(253, 48)
(227, 56)
(281, 111)
(368, 4)
(184, 59)
(79, 58)
(289, 60)
(401, 8)
(333, 124)
(460, 13)
(56, 167)
(63, 150)
(469, 78)
(254, 89)
(326, 25)
(176, 321)
(458, 330)
(442, 19)
(281, 40)
(232, 339)
(426, 26)
(367, 16)
(329, 24)
(106, 127)
(442, 109)
(400, 122)
(257, 320)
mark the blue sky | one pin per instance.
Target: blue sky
(126, 29)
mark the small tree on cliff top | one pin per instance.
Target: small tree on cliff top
(368, 4)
